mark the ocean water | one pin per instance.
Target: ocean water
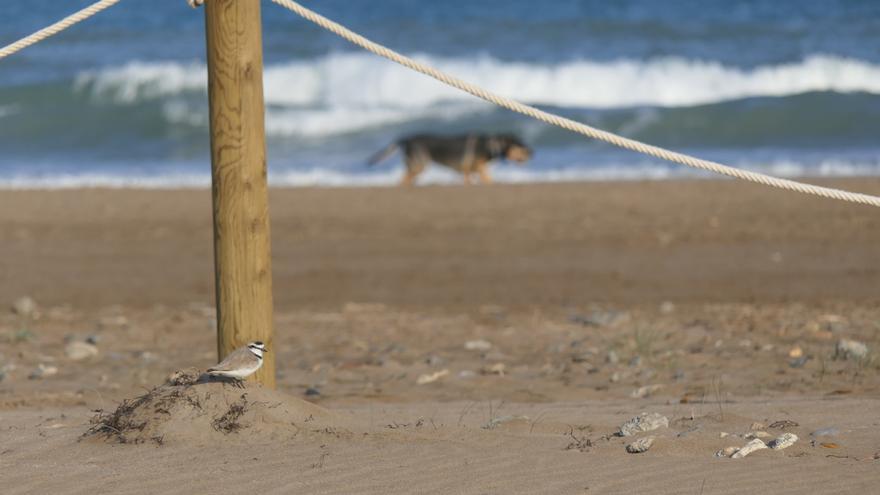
(789, 87)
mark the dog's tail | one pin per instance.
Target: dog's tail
(383, 154)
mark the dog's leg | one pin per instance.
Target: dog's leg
(415, 164)
(483, 170)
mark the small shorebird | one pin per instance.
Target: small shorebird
(241, 363)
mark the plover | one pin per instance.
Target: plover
(241, 363)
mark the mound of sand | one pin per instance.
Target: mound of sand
(193, 408)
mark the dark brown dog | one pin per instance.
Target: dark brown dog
(468, 154)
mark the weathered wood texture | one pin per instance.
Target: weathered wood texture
(242, 260)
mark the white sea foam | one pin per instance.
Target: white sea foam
(349, 92)
(386, 176)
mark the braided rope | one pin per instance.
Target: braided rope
(572, 125)
(57, 27)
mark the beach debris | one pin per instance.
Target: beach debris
(431, 377)
(783, 441)
(43, 371)
(757, 434)
(726, 451)
(645, 391)
(756, 444)
(850, 349)
(795, 352)
(783, 424)
(599, 318)
(478, 345)
(77, 351)
(640, 445)
(757, 426)
(496, 422)
(612, 357)
(642, 423)
(799, 362)
(25, 306)
(495, 369)
(825, 432)
(830, 445)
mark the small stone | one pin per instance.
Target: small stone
(312, 392)
(77, 351)
(612, 357)
(643, 422)
(615, 377)
(756, 444)
(783, 441)
(43, 371)
(726, 452)
(640, 445)
(478, 345)
(431, 377)
(723, 434)
(93, 339)
(495, 369)
(667, 307)
(783, 424)
(850, 349)
(636, 361)
(25, 306)
(795, 352)
(645, 391)
(757, 426)
(434, 360)
(465, 374)
(799, 362)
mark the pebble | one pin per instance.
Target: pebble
(312, 392)
(78, 351)
(93, 339)
(667, 307)
(640, 445)
(636, 361)
(612, 357)
(431, 377)
(795, 352)
(783, 441)
(645, 391)
(43, 371)
(478, 345)
(24, 306)
(850, 349)
(756, 444)
(495, 369)
(465, 374)
(643, 422)
(726, 452)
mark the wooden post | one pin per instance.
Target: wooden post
(242, 262)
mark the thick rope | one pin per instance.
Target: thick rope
(57, 27)
(572, 125)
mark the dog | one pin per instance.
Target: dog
(467, 154)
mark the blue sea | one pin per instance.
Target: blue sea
(788, 87)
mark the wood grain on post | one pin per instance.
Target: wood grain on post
(242, 261)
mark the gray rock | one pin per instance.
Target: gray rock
(640, 445)
(783, 441)
(43, 371)
(850, 349)
(643, 422)
(78, 351)
(93, 339)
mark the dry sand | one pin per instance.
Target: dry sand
(716, 304)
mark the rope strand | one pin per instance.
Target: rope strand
(572, 125)
(57, 27)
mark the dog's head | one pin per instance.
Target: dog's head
(510, 147)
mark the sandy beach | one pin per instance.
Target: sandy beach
(455, 340)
